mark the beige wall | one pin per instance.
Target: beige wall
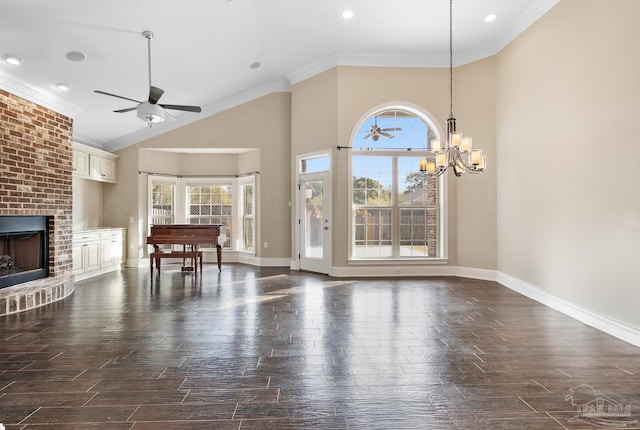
(88, 210)
(122, 207)
(313, 128)
(339, 98)
(475, 208)
(263, 124)
(568, 99)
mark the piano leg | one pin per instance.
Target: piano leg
(156, 249)
(219, 252)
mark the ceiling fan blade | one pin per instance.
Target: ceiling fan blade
(386, 134)
(367, 136)
(125, 110)
(182, 107)
(115, 95)
(392, 129)
(154, 94)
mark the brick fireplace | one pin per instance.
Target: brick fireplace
(36, 180)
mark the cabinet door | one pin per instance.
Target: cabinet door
(111, 248)
(118, 248)
(80, 163)
(108, 169)
(77, 250)
(106, 253)
(92, 256)
(102, 168)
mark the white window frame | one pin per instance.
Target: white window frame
(239, 221)
(442, 189)
(181, 196)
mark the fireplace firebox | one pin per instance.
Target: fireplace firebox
(24, 249)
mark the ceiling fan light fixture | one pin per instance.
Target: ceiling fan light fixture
(150, 113)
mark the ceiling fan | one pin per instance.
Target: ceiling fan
(376, 131)
(151, 111)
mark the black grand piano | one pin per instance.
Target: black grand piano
(190, 236)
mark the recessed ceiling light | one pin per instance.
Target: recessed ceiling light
(12, 59)
(490, 17)
(347, 14)
(75, 56)
(63, 86)
(255, 65)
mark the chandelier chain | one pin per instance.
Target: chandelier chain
(456, 151)
(450, 58)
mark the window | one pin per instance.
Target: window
(248, 218)
(395, 208)
(211, 204)
(207, 201)
(162, 202)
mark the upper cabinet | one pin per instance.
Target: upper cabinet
(80, 163)
(102, 169)
(92, 163)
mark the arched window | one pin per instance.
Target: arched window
(395, 208)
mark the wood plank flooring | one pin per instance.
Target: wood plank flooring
(268, 348)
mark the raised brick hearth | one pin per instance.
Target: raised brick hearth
(35, 179)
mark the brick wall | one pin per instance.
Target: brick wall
(36, 172)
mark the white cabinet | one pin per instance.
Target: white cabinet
(86, 252)
(102, 169)
(92, 163)
(80, 163)
(111, 248)
(97, 251)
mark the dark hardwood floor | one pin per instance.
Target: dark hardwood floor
(252, 348)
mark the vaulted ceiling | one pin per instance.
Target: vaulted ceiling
(219, 53)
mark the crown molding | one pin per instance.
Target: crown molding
(527, 18)
(30, 92)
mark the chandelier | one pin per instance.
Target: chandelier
(456, 152)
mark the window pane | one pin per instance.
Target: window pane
(392, 129)
(248, 222)
(316, 164)
(162, 208)
(211, 204)
(372, 177)
(418, 232)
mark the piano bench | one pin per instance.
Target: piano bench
(194, 256)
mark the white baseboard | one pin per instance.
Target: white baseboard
(391, 271)
(412, 271)
(601, 322)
